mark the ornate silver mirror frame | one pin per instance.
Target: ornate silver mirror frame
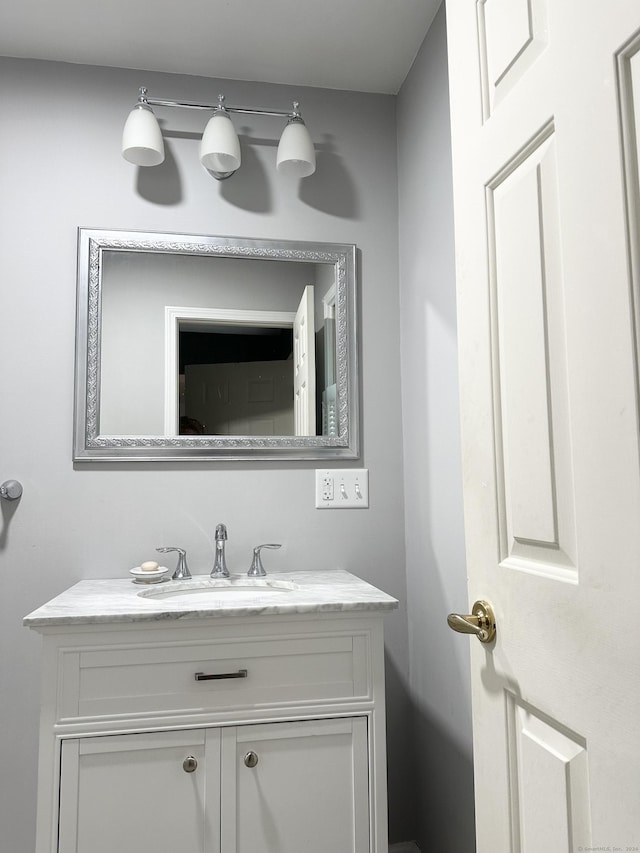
(90, 444)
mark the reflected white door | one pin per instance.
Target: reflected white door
(304, 369)
(545, 99)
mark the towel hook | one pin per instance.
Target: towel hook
(11, 490)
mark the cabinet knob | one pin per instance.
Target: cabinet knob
(189, 764)
(251, 759)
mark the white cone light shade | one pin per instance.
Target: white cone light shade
(220, 146)
(142, 142)
(296, 155)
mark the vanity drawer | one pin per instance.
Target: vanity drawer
(160, 680)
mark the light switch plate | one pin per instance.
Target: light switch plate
(342, 488)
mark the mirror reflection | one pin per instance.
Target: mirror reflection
(209, 346)
(216, 346)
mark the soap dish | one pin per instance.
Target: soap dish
(148, 577)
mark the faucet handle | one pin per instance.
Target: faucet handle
(257, 569)
(182, 570)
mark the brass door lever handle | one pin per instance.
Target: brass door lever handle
(480, 622)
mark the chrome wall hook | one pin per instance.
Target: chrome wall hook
(11, 490)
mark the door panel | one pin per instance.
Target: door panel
(131, 793)
(304, 370)
(307, 792)
(628, 81)
(543, 101)
(511, 36)
(549, 772)
(532, 437)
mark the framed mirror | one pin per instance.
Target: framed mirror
(208, 348)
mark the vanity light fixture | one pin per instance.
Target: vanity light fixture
(142, 142)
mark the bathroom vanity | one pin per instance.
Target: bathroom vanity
(237, 719)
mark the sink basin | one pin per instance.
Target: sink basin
(208, 590)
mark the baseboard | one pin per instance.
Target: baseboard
(404, 847)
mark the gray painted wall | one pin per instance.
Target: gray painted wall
(60, 167)
(436, 574)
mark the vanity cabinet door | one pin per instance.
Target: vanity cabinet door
(140, 793)
(291, 787)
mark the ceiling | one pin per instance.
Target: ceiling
(361, 45)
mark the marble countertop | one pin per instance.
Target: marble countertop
(119, 600)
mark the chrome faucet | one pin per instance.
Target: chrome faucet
(182, 570)
(257, 569)
(220, 569)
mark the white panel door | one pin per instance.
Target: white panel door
(545, 100)
(294, 787)
(304, 369)
(134, 793)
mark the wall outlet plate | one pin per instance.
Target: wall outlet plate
(342, 488)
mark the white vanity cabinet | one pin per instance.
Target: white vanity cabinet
(277, 788)
(256, 733)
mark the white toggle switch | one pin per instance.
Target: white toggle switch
(342, 488)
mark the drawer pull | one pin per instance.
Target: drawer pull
(205, 676)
